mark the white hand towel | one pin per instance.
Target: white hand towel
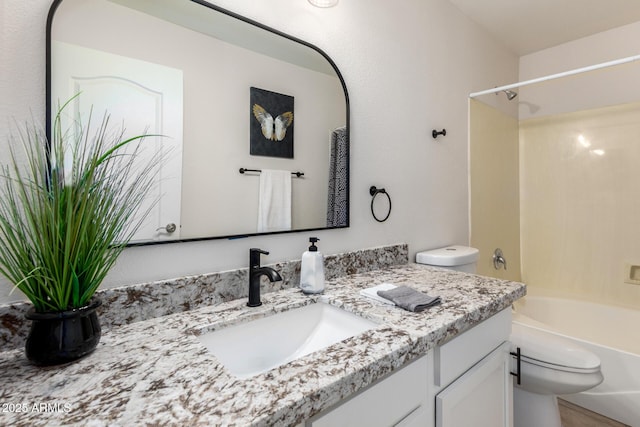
(274, 204)
(372, 293)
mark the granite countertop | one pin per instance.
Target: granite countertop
(156, 372)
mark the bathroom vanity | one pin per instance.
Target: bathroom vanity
(428, 368)
(466, 381)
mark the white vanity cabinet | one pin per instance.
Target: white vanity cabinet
(400, 399)
(465, 382)
(473, 384)
(481, 396)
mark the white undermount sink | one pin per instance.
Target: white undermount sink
(250, 348)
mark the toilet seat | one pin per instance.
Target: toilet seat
(539, 379)
(552, 365)
(525, 359)
(546, 350)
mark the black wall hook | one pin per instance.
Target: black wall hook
(373, 190)
(435, 133)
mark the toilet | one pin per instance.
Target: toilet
(550, 365)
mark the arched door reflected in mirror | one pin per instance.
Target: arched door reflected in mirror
(185, 69)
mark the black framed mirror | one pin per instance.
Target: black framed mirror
(194, 72)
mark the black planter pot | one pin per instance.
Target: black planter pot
(61, 337)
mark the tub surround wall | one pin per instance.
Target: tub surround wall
(579, 205)
(494, 188)
(129, 304)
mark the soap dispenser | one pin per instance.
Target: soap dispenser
(312, 270)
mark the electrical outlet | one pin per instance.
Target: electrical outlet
(632, 274)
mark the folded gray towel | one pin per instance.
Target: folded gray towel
(409, 299)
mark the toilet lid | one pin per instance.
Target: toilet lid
(450, 256)
(547, 349)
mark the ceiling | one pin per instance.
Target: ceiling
(527, 26)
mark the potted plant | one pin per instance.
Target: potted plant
(68, 208)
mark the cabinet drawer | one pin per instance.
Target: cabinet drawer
(399, 399)
(455, 357)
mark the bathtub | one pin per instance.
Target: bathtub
(612, 333)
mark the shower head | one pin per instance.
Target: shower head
(510, 94)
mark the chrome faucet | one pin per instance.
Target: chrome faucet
(255, 272)
(498, 260)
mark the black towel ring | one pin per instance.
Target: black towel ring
(374, 192)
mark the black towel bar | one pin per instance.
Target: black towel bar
(243, 170)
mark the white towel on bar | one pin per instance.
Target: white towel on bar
(274, 204)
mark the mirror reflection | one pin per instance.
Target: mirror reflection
(228, 95)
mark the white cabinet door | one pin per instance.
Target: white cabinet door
(481, 397)
(420, 417)
(401, 399)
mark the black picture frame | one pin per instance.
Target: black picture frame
(271, 131)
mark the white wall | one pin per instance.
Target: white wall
(610, 86)
(409, 66)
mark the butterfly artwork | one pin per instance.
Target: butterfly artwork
(271, 127)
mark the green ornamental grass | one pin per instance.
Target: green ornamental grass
(64, 223)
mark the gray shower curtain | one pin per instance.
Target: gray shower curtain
(337, 204)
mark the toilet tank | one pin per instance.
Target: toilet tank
(459, 258)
